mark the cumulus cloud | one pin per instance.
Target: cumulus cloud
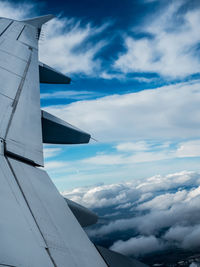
(137, 191)
(138, 246)
(165, 113)
(164, 212)
(169, 46)
(164, 201)
(184, 236)
(171, 181)
(104, 196)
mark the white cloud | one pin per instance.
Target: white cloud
(76, 95)
(164, 201)
(184, 236)
(16, 11)
(103, 196)
(137, 191)
(133, 146)
(51, 165)
(138, 246)
(146, 80)
(124, 206)
(66, 46)
(164, 212)
(163, 113)
(126, 160)
(171, 49)
(170, 181)
(51, 152)
(189, 149)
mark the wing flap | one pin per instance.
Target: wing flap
(20, 115)
(24, 134)
(49, 75)
(84, 216)
(57, 131)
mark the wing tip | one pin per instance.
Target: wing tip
(39, 21)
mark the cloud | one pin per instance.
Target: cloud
(137, 191)
(163, 212)
(51, 165)
(69, 47)
(133, 146)
(170, 181)
(189, 149)
(50, 152)
(127, 160)
(169, 46)
(194, 264)
(164, 201)
(104, 196)
(76, 95)
(16, 11)
(147, 80)
(138, 246)
(164, 113)
(184, 236)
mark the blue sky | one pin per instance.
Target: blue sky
(135, 86)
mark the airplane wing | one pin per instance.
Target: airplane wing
(37, 226)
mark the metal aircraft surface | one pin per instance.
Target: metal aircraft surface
(38, 227)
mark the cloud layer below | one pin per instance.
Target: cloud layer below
(163, 212)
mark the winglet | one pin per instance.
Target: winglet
(39, 21)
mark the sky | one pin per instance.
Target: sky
(135, 80)
(135, 70)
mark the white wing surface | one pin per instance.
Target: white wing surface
(37, 228)
(37, 225)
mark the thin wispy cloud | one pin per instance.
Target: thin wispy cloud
(76, 95)
(17, 11)
(50, 152)
(69, 48)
